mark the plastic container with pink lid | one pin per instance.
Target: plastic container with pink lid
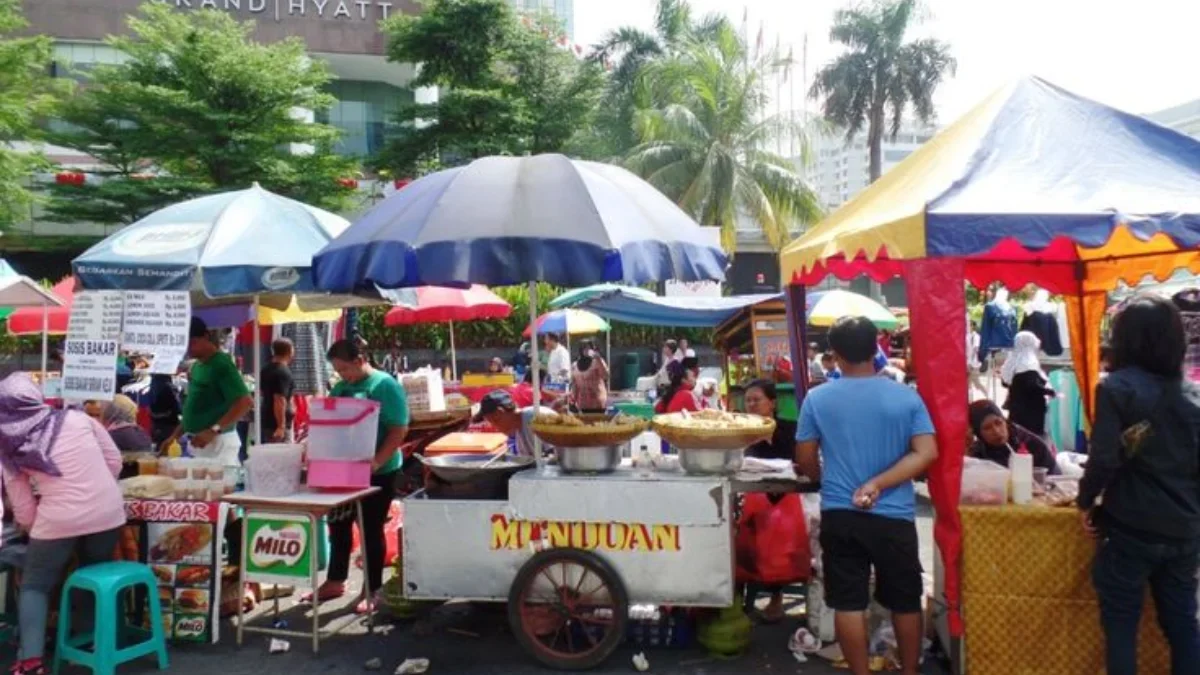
(342, 433)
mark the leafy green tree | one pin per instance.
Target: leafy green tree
(628, 49)
(705, 139)
(197, 106)
(26, 93)
(880, 76)
(507, 88)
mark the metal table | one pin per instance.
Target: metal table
(312, 506)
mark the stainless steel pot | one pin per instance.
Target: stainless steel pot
(708, 462)
(597, 459)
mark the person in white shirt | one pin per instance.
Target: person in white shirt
(559, 362)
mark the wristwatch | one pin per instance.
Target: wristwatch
(216, 428)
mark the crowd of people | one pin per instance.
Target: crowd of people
(865, 436)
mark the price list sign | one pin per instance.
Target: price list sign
(90, 350)
(157, 322)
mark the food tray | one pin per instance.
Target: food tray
(731, 438)
(563, 436)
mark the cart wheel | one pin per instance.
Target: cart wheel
(568, 609)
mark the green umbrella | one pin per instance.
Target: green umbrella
(577, 296)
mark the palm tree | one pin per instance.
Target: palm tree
(704, 140)
(626, 50)
(880, 75)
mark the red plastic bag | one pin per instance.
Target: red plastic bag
(393, 531)
(772, 541)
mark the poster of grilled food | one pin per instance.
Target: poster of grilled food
(182, 546)
(186, 543)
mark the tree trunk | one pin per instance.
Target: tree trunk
(875, 143)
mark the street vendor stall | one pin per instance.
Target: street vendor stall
(569, 223)
(1013, 192)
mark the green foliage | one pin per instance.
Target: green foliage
(506, 87)
(503, 336)
(880, 76)
(197, 106)
(626, 51)
(704, 139)
(26, 94)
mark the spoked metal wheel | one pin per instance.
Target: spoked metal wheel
(568, 609)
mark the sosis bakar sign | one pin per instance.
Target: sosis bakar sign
(517, 534)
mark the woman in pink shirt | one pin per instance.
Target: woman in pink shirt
(72, 463)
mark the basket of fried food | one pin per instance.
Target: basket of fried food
(566, 430)
(712, 429)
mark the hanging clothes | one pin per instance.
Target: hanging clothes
(1064, 419)
(1188, 302)
(1041, 319)
(998, 328)
(310, 370)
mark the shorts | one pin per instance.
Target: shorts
(853, 543)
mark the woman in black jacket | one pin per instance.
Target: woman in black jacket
(1140, 493)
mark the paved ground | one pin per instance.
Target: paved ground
(469, 640)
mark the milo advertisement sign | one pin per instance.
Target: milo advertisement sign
(279, 548)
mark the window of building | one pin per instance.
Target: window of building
(363, 112)
(895, 155)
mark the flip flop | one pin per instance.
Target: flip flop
(324, 594)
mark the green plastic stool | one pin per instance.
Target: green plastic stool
(106, 582)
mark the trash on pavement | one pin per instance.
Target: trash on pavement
(277, 646)
(640, 662)
(374, 664)
(413, 667)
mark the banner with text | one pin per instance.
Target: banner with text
(157, 322)
(90, 349)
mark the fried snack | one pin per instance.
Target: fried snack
(164, 573)
(712, 429)
(192, 601)
(568, 431)
(180, 542)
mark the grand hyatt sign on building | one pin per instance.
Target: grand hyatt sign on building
(351, 10)
(326, 26)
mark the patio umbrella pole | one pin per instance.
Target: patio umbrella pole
(45, 340)
(453, 355)
(257, 385)
(536, 365)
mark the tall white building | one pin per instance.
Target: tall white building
(563, 10)
(1184, 118)
(840, 170)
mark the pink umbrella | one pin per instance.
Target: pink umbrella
(436, 304)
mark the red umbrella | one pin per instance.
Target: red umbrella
(436, 304)
(28, 320)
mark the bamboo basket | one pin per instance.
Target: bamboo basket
(587, 436)
(730, 438)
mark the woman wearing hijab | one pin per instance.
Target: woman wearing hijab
(78, 508)
(119, 417)
(589, 379)
(996, 437)
(1028, 386)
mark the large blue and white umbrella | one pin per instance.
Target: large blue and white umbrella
(242, 243)
(506, 220)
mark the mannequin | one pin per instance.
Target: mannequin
(999, 325)
(1041, 319)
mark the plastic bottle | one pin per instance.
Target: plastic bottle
(175, 449)
(1020, 468)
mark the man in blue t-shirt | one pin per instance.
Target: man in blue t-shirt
(866, 438)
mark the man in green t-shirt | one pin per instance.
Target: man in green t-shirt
(217, 398)
(360, 380)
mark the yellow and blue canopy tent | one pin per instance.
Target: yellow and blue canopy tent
(1033, 185)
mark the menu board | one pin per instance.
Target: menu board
(181, 542)
(157, 322)
(90, 350)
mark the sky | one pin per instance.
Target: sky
(1119, 52)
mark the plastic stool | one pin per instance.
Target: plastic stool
(106, 582)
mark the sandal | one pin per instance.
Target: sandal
(366, 606)
(33, 666)
(330, 590)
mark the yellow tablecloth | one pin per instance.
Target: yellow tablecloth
(1028, 600)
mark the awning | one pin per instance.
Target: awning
(678, 312)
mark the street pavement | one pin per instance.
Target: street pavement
(469, 639)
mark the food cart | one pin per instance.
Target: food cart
(752, 342)
(570, 551)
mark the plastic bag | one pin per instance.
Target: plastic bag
(772, 540)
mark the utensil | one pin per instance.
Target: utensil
(710, 461)
(502, 452)
(594, 459)
(468, 467)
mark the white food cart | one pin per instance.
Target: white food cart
(570, 553)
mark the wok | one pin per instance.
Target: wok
(468, 467)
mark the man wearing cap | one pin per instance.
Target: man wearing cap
(217, 398)
(500, 411)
